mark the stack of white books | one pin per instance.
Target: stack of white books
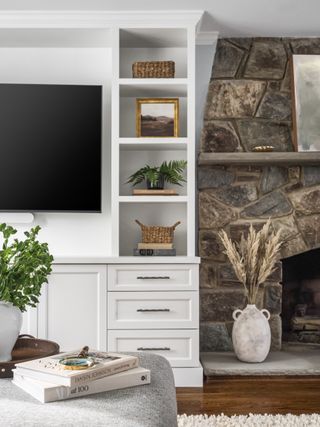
(47, 380)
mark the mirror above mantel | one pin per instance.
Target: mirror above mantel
(306, 102)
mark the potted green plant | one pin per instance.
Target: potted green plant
(156, 176)
(24, 267)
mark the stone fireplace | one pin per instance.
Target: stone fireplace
(249, 103)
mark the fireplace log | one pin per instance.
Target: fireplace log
(307, 323)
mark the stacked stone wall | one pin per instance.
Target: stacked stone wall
(249, 104)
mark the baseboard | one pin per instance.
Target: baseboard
(188, 377)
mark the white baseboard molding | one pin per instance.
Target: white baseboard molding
(188, 377)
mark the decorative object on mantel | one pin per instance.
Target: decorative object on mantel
(156, 177)
(25, 266)
(253, 260)
(306, 102)
(263, 149)
(157, 117)
(27, 348)
(156, 240)
(153, 69)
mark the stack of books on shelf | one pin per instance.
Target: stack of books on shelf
(155, 249)
(48, 380)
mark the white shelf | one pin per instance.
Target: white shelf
(153, 144)
(153, 199)
(127, 260)
(152, 43)
(144, 82)
(153, 88)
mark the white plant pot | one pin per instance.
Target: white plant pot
(251, 335)
(10, 325)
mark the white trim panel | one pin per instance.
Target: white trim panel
(188, 377)
(153, 277)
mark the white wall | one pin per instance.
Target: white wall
(69, 233)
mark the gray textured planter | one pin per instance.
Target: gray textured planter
(251, 335)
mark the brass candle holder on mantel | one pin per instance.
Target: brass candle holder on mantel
(263, 149)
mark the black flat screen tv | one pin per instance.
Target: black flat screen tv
(50, 148)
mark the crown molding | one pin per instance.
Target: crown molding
(99, 19)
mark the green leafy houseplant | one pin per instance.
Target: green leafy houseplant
(156, 176)
(24, 267)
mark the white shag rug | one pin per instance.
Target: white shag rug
(250, 420)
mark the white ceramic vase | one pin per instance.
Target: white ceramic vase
(10, 326)
(251, 335)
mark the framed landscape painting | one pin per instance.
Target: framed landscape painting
(157, 117)
(306, 105)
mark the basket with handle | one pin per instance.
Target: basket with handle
(157, 233)
(153, 69)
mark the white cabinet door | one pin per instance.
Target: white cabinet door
(72, 309)
(29, 322)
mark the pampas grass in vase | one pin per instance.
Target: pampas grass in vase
(253, 260)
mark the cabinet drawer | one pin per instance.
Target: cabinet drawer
(181, 348)
(153, 277)
(149, 310)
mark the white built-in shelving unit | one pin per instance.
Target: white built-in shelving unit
(170, 41)
(42, 47)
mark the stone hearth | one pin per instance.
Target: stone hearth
(291, 361)
(249, 103)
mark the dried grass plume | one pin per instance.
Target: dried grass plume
(254, 257)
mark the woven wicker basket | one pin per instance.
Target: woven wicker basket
(153, 69)
(157, 234)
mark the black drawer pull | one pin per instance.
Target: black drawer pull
(153, 277)
(146, 310)
(153, 348)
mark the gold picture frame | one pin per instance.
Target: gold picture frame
(154, 127)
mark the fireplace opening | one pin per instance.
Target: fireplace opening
(301, 298)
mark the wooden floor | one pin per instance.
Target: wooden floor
(280, 395)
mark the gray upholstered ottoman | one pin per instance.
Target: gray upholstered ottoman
(152, 405)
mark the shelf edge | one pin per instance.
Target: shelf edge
(259, 159)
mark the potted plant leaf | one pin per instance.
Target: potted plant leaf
(156, 176)
(24, 267)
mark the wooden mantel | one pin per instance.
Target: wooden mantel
(260, 159)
